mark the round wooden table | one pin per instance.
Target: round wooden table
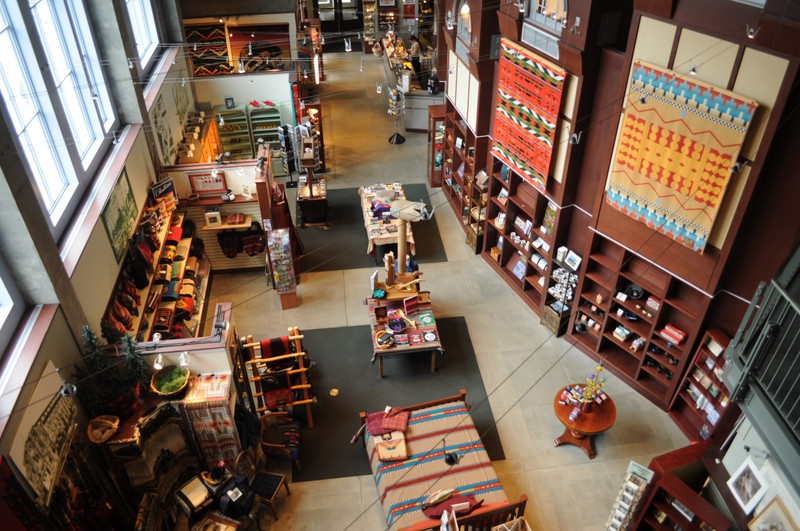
(581, 431)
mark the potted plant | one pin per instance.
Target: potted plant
(111, 377)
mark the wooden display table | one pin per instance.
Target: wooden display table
(378, 232)
(588, 424)
(422, 337)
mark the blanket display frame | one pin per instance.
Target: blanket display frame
(676, 149)
(435, 427)
(258, 374)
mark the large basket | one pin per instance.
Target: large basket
(161, 373)
(102, 428)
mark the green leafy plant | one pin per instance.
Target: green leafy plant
(108, 373)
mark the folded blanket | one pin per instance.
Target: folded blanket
(395, 420)
(375, 423)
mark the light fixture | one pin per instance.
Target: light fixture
(116, 139)
(751, 32)
(241, 66)
(94, 96)
(575, 138)
(158, 363)
(130, 63)
(221, 120)
(68, 389)
(378, 88)
(521, 5)
(302, 104)
(183, 82)
(183, 359)
(316, 68)
(642, 100)
(693, 70)
(322, 38)
(448, 21)
(215, 171)
(195, 47)
(156, 337)
(361, 66)
(250, 48)
(348, 46)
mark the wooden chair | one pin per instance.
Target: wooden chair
(264, 485)
(280, 437)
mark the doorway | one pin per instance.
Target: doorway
(344, 18)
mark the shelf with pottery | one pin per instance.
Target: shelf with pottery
(647, 318)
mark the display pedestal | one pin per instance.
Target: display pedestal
(289, 300)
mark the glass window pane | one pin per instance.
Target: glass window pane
(15, 85)
(51, 34)
(79, 122)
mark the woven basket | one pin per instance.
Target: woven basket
(102, 428)
(169, 394)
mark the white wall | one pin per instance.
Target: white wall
(272, 86)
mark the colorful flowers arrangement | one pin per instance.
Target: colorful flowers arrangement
(594, 382)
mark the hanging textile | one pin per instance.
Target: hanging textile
(675, 151)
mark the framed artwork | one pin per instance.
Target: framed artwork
(119, 215)
(775, 517)
(229, 103)
(573, 260)
(213, 219)
(747, 485)
(386, 3)
(208, 183)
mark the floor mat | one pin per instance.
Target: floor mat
(344, 244)
(342, 363)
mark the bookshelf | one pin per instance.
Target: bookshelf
(233, 127)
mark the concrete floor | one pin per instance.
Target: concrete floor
(521, 363)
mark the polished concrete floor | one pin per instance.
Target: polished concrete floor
(521, 363)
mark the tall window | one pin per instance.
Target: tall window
(145, 31)
(49, 79)
(11, 307)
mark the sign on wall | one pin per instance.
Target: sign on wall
(675, 152)
(528, 100)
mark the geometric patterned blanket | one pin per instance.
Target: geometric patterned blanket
(528, 100)
(404, 485)
(674, 154)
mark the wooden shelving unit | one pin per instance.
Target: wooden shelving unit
(264, 124)
(645, 303)
(703, 398)
(235, 135)
(673, 505)
(436, 115)
(464, 155)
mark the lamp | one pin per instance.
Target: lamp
(158, 363)
(693, 70)
(751, 32)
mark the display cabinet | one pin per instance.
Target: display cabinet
(436, 115)
(235, 135)
(475, 196)
(282, 267)
(703, 398)
(674, 505)
(265, 123)
(200, 140)
(464, 155)
(644, 320)
(520, 238)
(370, 24)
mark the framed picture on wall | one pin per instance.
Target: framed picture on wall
(386, 3)
(211, 183)
(119, 215)
(775, 516)
(747, 485)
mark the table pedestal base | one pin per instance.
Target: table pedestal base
(578, 439)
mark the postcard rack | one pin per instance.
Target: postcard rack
(261, 374)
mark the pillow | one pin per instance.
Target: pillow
(375, 423)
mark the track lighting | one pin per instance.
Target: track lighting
(116, 139)
(448, 21)
(378, 88)
(348, 46)
(250, 48)
(221, 120)
(521, 5)
(751, 32)
(183, 359)
(195, 47)
(693, 70)
(183, 82)
(241, 66)
(158, 363)
(68, 389)
(130, 64)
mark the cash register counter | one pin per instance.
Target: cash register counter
(417, 99)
